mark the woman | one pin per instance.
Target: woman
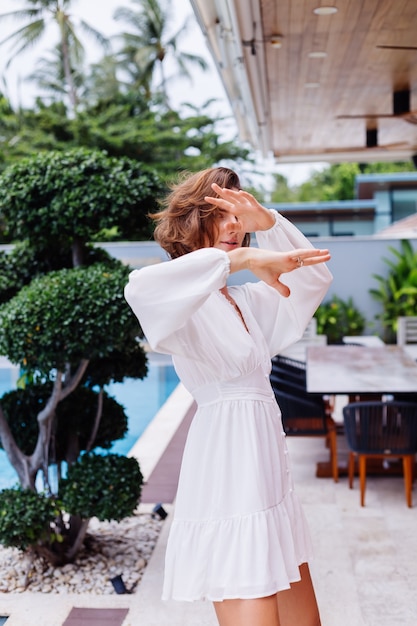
(238, 537)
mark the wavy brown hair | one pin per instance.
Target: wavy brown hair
(187, 222)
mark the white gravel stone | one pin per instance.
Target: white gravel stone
(112, 548)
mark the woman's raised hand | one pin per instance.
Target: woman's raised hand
(269, 265)
(243, 205)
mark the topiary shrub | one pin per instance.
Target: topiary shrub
(53, 320)
(104, 486)
(65, 322)
(64, 196)
(107, 487)
(25, 518)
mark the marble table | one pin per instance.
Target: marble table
(411, 349)
(338, 369)
(360, 372)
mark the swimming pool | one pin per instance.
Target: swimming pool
(141, 400)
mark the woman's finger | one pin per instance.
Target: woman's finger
(310, 256)
(224, 192)
(224, 204)
(233, 197)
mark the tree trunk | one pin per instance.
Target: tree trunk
(73, 532)
(97, 419)
(27, 467)
(76, 544)
(19, 461)
(72, 450)
(72, 94)
(164, 85)
(39, 458)
(78, 252)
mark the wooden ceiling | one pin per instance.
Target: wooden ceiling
(342, 86)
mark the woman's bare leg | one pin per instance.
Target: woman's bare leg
(298, 605)
(257, 612)
(295, 606)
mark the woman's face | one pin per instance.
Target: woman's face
(230, 234)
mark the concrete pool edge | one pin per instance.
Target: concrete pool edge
(150, 446)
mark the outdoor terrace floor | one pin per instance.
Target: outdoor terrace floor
(365, 566)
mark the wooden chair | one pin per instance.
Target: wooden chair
(303, 414)
(383, 430)
(289, 370)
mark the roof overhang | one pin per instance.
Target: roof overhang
(330, 91)
(227, 27)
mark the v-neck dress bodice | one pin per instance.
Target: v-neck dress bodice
(238, 528)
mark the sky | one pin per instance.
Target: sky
(205, 85)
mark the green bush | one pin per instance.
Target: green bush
(67, 315)
(107, 487)
(339, 318)
(62, 196)
(104, 486)
(20, 265)
(25, 518)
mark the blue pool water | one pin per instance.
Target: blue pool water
(141, 400)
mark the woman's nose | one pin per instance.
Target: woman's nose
(232, 223)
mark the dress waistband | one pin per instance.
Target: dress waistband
(253, 386)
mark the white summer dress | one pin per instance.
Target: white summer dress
(238, 529)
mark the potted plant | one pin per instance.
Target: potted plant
(397, 292)
(339, 318)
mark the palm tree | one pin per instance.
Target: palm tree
(149, 44)
(49, 75)
(38, 15)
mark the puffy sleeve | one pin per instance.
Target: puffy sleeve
(164, 296)
(283, 320)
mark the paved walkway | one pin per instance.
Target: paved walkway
(364, 571)
(365, 566)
